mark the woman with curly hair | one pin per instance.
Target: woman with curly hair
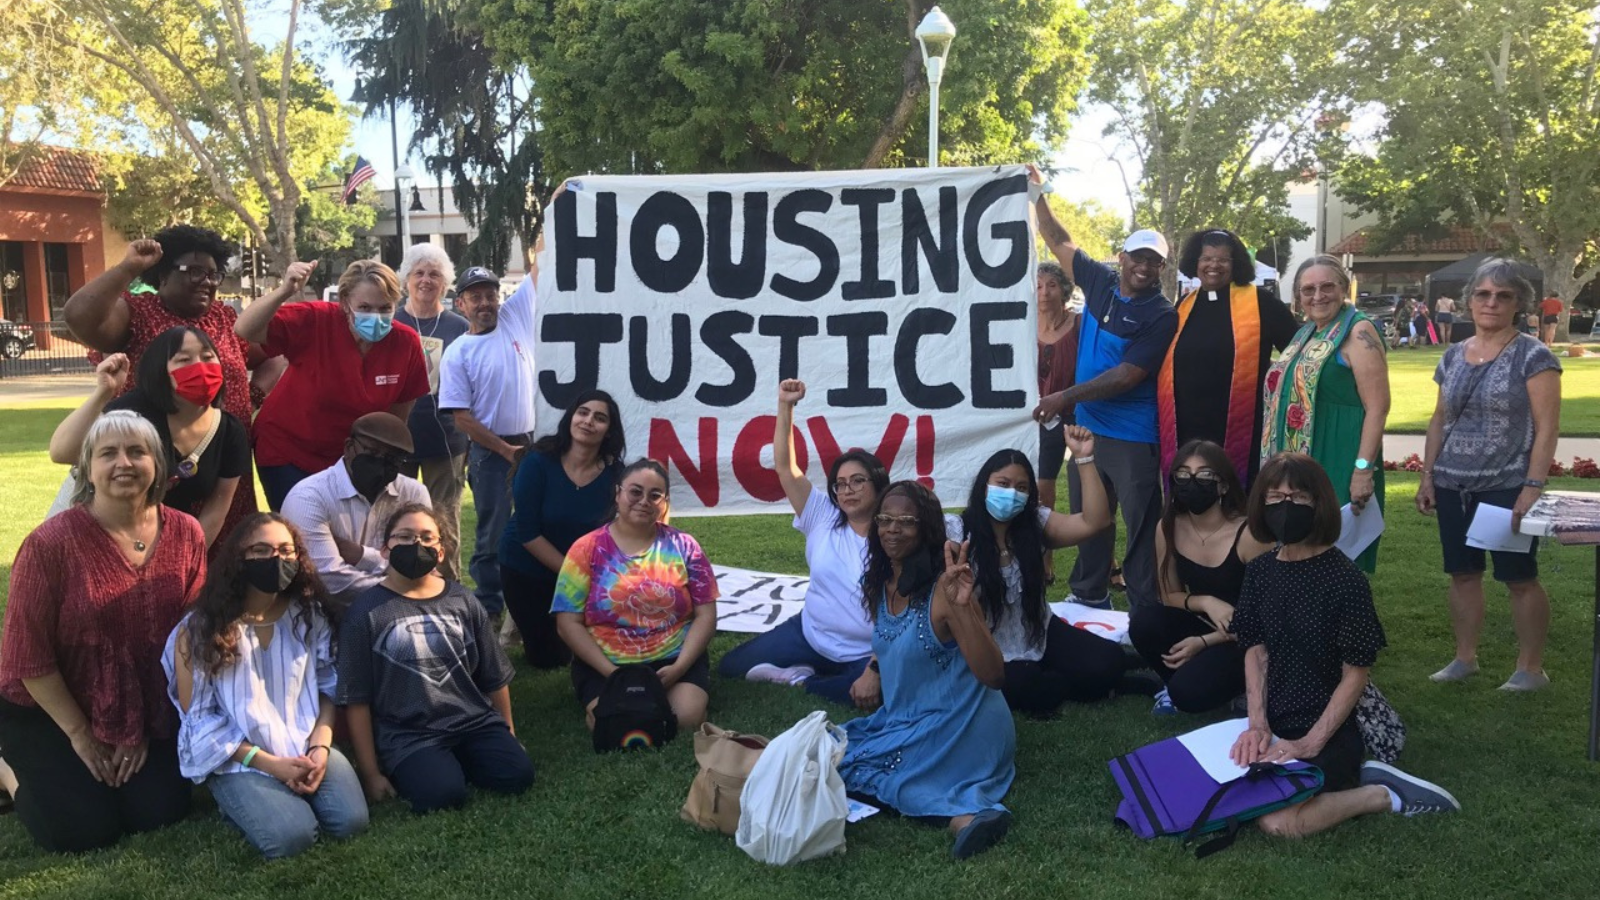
(943, 745)
(164, 282)
(1009, 531)
(251, 670)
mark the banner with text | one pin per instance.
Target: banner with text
(902, 297)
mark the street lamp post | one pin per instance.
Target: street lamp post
(403, 177)
(935, 34)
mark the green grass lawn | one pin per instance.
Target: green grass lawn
(607, 827)
(1412, 393)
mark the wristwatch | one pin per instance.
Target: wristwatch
(1533, 483)
(1362, 464)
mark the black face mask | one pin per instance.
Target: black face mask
(1195, 496)
(1290, 522)
(413, 560)
(272, 575)
(370, 474)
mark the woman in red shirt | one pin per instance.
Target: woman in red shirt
(84, 719)
(184, 264)
(345, 360)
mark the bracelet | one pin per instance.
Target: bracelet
(326, 747)
(249, 756)
(1533, 483)
(1203, 642)
(1186, 601)
(1083, 460)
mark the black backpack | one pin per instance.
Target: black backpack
(632, 711)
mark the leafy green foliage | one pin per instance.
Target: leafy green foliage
(1219, 101)
(752, 85)
(1491, 113)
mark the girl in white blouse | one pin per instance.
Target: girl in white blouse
(252, 673)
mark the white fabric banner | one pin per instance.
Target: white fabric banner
(904, 298)
(753, 602)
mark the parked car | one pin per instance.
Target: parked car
(1380, 309)
(15, 339)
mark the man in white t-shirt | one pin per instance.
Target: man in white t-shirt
(487, 380)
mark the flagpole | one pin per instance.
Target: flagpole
(399, 213)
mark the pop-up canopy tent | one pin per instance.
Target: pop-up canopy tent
(1452, 279)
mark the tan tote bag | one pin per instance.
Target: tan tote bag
(726, 758)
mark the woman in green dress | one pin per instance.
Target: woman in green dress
(1327, 394)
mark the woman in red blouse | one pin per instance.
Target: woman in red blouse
(84, 718)
(184, 264)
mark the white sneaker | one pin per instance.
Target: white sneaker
(509, 635)
(792, 675)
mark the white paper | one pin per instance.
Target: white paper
(1212, 745)
(1110, 624)
(859, 811)
(1356, 533)
(1491, 530)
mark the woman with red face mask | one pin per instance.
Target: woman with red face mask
(180, 391)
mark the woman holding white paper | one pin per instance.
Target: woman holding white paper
(1490, 442)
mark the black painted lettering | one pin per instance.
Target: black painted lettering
(645, 383)
(786, 227)
(1014, 267)
(665, 209)
(988, 356)
(858, 329)
(788, 330)
(744, 279)
(586, 332)
(717, 332)
(919, 324)
(942, 253)
(870, 286)
(600, 246)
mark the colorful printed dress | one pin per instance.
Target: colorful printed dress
(942, 744)
(1329, 429)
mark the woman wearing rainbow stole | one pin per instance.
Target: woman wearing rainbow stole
(1327, 395)
(1209, 387)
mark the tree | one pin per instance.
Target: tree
(474, 119)
(1095, 229)
(1491, 113)
(752, 85)
(235, 105)
(1218, 102)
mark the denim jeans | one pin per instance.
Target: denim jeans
(786, 646)
(436, 777)
(279, 822)
(490, 476)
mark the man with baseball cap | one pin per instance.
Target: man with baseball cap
(1124, 334)
(341, 510)
(487, 379)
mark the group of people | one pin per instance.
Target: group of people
(193, 639)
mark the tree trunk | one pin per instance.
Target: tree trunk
(913, 85)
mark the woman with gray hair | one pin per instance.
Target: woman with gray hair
(1490, 442)
(1058, 362)
(1327, 395)
(84, 718)
(440, 456)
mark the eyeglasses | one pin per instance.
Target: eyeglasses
(425, 538)
(200, 274)
(1326, 289)
(1146, 262)
(1300, 497)
(851, 485)
(267, 551)
(637, 494)
(1201, 477)
(898, 523)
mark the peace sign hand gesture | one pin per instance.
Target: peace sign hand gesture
(956, 581)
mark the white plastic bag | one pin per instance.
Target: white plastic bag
(793, 806)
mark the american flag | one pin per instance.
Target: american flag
(363, 173)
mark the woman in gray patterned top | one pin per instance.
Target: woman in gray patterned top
(1491, 441)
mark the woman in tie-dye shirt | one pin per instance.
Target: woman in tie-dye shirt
(637, 590)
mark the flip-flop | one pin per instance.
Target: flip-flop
(984, 831)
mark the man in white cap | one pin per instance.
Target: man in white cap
(1126, 328)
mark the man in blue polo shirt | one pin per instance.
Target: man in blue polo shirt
(1126, 328)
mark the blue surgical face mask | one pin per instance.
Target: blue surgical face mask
(372, 327)
(1004, 503)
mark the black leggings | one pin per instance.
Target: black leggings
(528, 603)
(1209, 679)
(64, 808)
(1076, 666)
